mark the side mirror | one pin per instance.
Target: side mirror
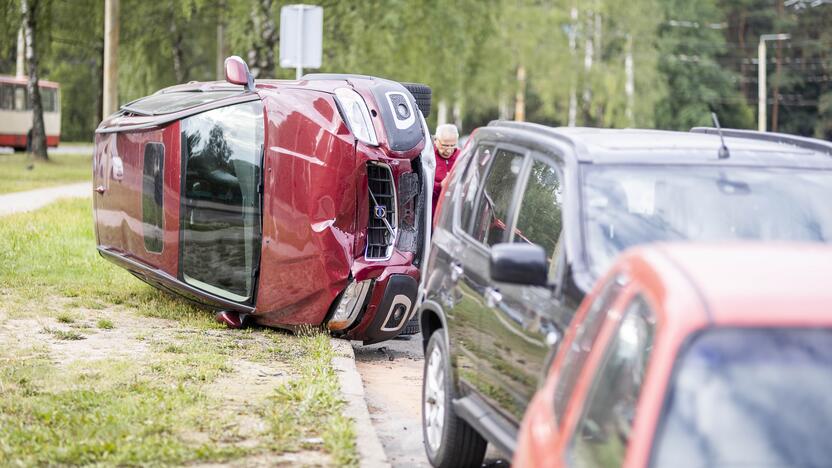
(236, 72)
(519, 264)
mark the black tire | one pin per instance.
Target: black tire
(411, 327)
(459, 444)
(422, 94)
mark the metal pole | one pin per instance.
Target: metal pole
(761, 88)
(111, 33)
(299, 64)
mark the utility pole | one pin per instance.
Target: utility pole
(21, 53)
(111, 34)
(761, 76)
(520, 98)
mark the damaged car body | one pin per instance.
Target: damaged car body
(288, 203)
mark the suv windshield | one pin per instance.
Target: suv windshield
(749, 397)
(631, 205)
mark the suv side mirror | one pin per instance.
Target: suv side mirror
(519, 264)
(236, 72)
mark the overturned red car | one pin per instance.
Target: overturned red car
(288, 203)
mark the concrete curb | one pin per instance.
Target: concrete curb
(370, 451)
(30, 200)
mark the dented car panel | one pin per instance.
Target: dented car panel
(274, 206)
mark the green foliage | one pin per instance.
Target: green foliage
(688, 58)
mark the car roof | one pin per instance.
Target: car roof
(699, 146)
(745, 284)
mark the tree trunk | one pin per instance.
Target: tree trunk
(630, 85)
(111, 37)
(520, 100)
(221, 49)
(179, 70)
(38, 138)
(21, 53)
(261, 54)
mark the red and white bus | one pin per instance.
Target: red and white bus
(16, 111)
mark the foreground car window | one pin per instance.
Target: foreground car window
(604, 429)
(631, 205)
(221, 151)
(753, 397)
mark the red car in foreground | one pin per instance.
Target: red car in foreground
(291, 202)
(693, 356)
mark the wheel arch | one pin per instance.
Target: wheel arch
(431, 319)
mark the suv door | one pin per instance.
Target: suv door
(524, 323)
(483, 223)
(445, 265)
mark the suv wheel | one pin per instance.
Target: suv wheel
(449, 441)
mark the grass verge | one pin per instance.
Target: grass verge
(19, 172)
(98, 368)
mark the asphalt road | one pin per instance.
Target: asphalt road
(392, 376)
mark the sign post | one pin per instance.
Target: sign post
(301, 37)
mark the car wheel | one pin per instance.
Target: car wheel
(449, 440)
(422, 94)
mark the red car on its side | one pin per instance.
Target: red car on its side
(693, 356)
(291, 202)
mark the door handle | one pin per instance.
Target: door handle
(492, 297)
(100, 189)
(456, 271)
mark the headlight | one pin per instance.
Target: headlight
(349, 306)
(357, 115)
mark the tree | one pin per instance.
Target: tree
(37, 141)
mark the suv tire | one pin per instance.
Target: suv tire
(449, 441)
(422, 94)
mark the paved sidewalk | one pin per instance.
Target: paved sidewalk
(19, 202)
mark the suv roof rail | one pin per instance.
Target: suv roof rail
(813, 144)
(536, 128)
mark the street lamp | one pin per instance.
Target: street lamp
(761, 76)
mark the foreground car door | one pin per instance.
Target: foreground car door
(221, 201)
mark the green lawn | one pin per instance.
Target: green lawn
(20, 172)
(98, 368)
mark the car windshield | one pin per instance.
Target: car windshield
(631, 205)
(749, 397)
(167, 103)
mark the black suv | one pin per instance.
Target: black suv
(533, 215)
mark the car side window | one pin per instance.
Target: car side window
(539, 220)
(472, 181)
(153, 186)
(585, 336)
(491, 214)
(603, 432)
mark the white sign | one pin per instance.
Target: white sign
(301, 37)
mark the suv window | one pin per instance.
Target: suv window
(472, 180)
(585, 336)
(153, 213)
(539, 220)
(603, 431)
(491, 215)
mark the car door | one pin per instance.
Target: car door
(445, 268)
(526, 322)
(221, 204)
(485, 225)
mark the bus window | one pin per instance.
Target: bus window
(6, 96)
(49, 99)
